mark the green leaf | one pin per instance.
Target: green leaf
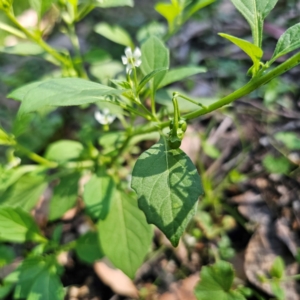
(6, 139)
(276, 165)
(98, 194)
(210, 150)
(26, 49)
(10, 176)
(153, 28)
(7, 255)
(125, 237)
(60, 92)
(25, 192)
(64, 150)
(216, 283)
(64, 196)
(114, 33)
(254, 52)
(6, 289)
(278, 267)
(40, 6)
(113, 3)
(289, 41)
(168, 187)
(289, 139)
(88, 248)
(107, 70)
(277, 290)
(18, 226)
(179, 74)
(36, 280)
(170, 11)
(47, 286)
(154, 56)
(195, 6)
(255, 11)
(148, 77)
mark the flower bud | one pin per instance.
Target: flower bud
(5, 4)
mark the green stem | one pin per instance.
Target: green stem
(252, 85)
(37, 39)
(153, 109)
(37, 158)
(78, 58)
(121, 149)
(84, 11)
(12, 30)
(176, 117)
(190, 100)
(136, 112)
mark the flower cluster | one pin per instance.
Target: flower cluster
(104, 116)
(132, 59)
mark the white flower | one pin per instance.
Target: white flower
(104, 117)
(132, 59)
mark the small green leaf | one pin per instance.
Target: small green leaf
(152, 29)
(114, 33)
(289, 139)
(25, 192)
(98, 194)
(289, 41)
(88, 248)
(64, 196)
(255, 11)
(125, 237)
(277, 290)
(210, 150)
(41, 6)
(37, 280)
(179, 74)
(10, 176)
(254, 52)
(112, 3)
(60, 92)
(26, 49)
(277, 269)
(6, 139)
(168, 187)
(276, 165)
(216, 283)
(7, 255)
(5, 289)
(148, 77)
(170, 11)
(18, 226)
(107, 70)
(47, 286)
(154, 56)
(63, 151)
(195, 6)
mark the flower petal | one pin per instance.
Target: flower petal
(99, 117)
(124, 60)
(138, 62)
(129, 69)
(128, 52)
(137, 53)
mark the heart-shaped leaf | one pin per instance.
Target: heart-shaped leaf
(168, 187)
